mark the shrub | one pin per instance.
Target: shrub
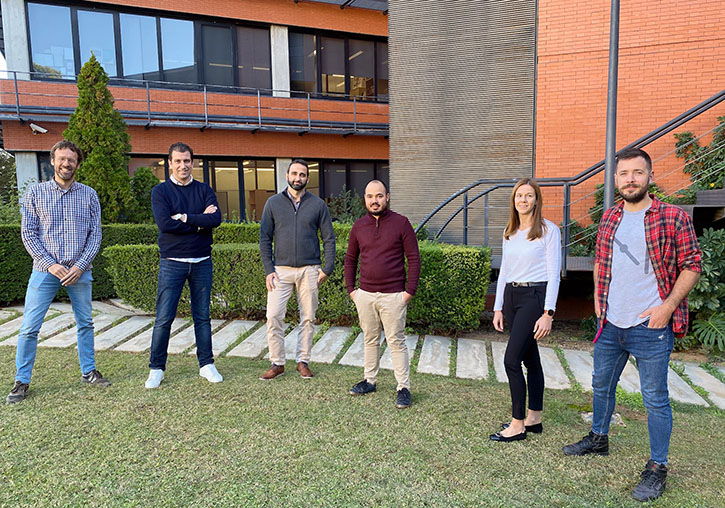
(16, 264)
(451, 292)
(707, 299)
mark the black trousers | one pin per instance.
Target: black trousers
(522, 306)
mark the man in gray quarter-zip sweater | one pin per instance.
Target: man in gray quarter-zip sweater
(292, 219)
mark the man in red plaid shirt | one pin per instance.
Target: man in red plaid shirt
(647, 261)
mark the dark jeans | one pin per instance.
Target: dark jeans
(522, 306)
(651, 347)
(172, 276)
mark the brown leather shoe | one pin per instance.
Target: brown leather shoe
(273, 372)
(304, 370)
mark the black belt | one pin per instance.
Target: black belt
(527, 284)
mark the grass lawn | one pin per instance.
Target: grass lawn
(295, 442)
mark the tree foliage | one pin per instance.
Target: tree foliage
(99, 130)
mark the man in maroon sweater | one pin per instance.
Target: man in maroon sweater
(380, 240)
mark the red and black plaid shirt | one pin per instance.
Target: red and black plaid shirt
(672, 247)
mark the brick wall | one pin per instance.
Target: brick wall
(278, 12)
(672, 57)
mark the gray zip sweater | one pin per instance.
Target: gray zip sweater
(295, 233)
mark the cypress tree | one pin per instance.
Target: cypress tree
(99, 130)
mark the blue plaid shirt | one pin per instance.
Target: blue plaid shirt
(61, 225)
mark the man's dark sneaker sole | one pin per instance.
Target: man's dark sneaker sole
(355, 394)
(14, 400)
(402, 406)
(588, 452)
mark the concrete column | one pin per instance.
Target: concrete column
(280, 60)
(15, 34)
(26, 168)
(280, 169)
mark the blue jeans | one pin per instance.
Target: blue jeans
(42, 288)
(172, 276)
(651, 348)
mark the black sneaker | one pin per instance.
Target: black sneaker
(362, 388)
(95, 378)
(652, 484)
(403, 399)
(18, 393)
(591, 443)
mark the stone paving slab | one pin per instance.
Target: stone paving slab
(226, 336)
(252, 346)
(472, 362)
(69, 336)
(581, 364)
(629, 380)
(554, 374)
(65, 307)
(328, 347)
(4, 314)
(498, 350)
(11, 327)
(117, 302)
(15, 308)
(121, 332)
(185, 339)
(386, 360)
(715, 389)
(49, 328)
(290, 343)
(355, 354)
(681, 391)
(722, 369)
(435, 355)
(142, 341)
(105, 308)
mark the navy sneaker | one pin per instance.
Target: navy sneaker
(403, 399)
(95, 378)
(652, 484)
(362, 388)
(18, 393)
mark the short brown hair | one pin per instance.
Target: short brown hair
(64, 144)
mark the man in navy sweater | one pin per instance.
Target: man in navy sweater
(381, 240)
(185, 211)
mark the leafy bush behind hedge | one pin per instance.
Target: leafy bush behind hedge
(451, 293)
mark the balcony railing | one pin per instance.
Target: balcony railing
(171, 104)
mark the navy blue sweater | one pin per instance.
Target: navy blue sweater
(190, 239)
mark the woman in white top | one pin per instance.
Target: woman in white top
(528, 284)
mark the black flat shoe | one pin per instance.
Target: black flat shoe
(503, 439)
(535, 429)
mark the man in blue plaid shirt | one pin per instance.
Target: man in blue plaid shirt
(61, 229)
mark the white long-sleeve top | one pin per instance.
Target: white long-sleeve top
(531, 261)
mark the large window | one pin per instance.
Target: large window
(96, 36)
(150, 48)
(139, 47)
(335, 176)
(259, 186)
(51, 40)
(347, 67)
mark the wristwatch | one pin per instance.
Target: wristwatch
(550, 312)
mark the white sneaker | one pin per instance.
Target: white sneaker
(210, 373)
(155, 378)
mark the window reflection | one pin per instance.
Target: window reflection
(254, 57)
(381, 66)
(259, 186)
(177, 50)
(52, 49)
(156, 164)
(303, 62)
(362, 68)
(313, 182)
(332, 64)
(217, 44)
(96, 35)
(226, 187)
(139, 46)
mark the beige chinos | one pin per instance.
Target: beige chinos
(384, 311)
(304, 280)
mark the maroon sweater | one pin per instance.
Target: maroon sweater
(380, 245)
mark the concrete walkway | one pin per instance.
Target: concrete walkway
(122, 328)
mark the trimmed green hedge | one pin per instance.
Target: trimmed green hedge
(451, 293)
(248, 232)
(16, 264)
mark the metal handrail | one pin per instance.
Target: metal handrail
(565, 182)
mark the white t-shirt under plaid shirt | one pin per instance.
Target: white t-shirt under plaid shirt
(61, 225)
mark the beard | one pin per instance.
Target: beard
(297, 186)
(637, 196)
(69, 174)
(379, 211)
